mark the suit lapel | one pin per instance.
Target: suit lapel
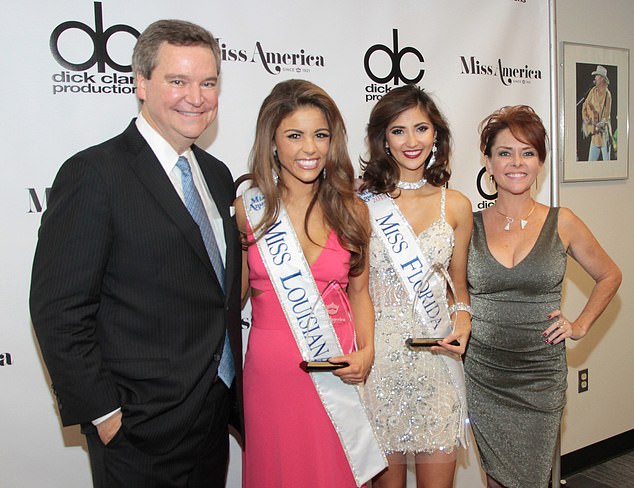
(153, 177)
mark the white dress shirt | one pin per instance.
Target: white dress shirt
(168, 157)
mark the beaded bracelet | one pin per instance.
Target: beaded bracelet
(460, 307)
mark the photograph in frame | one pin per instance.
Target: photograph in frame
(595, 112)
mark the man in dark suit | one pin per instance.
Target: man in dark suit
(136, 280)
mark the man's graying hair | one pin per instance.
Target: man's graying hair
(175, 32)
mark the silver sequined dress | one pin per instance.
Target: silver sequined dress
(414, 402)
(516, 384)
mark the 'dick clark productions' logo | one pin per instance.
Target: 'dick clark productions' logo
(486, 189)
(389, 66)
(79, 48)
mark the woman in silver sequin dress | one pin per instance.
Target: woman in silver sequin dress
(516, 361)
(416, 397)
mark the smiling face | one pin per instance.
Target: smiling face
(513, 164)
(410, 138)
(302, 140)
(180, 99)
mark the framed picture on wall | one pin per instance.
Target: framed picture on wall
(595, 112)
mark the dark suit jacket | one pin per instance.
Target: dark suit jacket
(124, 300)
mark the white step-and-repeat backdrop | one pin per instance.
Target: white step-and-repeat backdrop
(66, 84)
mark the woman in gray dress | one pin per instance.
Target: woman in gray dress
(515, 365)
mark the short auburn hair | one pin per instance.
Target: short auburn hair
(524, 124)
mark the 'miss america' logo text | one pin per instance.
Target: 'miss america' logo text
(273, 62)
(507, 74)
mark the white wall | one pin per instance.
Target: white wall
(606, 408)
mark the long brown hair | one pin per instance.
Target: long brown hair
(335, 194)
(380, 171)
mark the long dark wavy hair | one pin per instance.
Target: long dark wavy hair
(380, 170)
(334, 192)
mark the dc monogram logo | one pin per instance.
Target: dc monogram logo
(99, 37)
(396, 57)
(481, 190)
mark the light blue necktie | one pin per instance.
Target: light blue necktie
(194, 204)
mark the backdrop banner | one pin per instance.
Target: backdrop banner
(77, 89)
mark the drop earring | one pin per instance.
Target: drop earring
(387, 149)
(432, 159)
(276, 177)
(492, 187)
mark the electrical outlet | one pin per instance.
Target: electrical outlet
(583, 380)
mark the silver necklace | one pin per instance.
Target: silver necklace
(510, 220)
(411, 185)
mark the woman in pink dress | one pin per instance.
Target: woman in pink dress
(302, 170)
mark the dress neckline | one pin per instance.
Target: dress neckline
(532, 250)
(331, 233)
(441, 218)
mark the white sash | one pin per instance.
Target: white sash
(424, 281)
(314, 334)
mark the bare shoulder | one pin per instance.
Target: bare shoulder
(567, 216)
(459, 210)
(458, 202)
(568, 221)
(571, 228)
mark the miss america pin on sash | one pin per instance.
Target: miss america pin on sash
(314, 334)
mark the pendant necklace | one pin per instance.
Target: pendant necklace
(411, 185)
(510, 220)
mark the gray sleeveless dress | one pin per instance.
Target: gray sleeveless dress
(515, 382)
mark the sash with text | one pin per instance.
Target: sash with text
(314, 334)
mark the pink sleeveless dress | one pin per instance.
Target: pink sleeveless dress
(290, 440)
